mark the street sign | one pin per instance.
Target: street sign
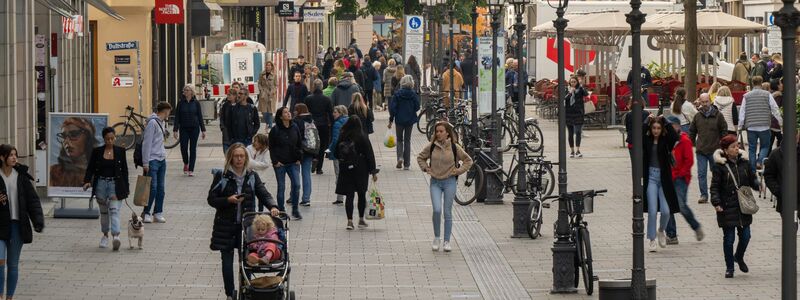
(313, 14)
(121, 82)
(485, 73)
(122, 59)
(415, 38)
(122, 46)
(285, 8)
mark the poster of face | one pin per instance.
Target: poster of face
(71, 138)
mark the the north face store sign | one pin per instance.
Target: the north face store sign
(169, 11)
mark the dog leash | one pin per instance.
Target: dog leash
(129, 206)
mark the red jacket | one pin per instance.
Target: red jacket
(684, 158)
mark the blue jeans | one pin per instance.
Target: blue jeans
(109, 205)
(188, 139)
(656, 201)
(704, 162)
(9, 251)
(681, 188)
(763, 138)
(305, 166)
(158, 173)
(729, 235)
(293, 170)
(268, 119)
(442, 194)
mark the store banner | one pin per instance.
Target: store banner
(72, 136)
(169, 11)
(313, 14)
(485, 74)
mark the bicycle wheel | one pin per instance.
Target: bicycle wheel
(535, 219)
(126, 135)
(533, 138)
(430, 129)
(585, 252)
(470, 184)
(169, 139)
(507, 137)
(422, 116)
(548, 181)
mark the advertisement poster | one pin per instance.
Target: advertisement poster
(485, 74)
(72, 136)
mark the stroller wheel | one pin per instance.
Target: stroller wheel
(291, 295)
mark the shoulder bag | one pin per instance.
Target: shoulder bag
(747, 202)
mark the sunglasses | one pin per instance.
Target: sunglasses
(72, 135)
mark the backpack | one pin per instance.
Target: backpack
(310, 139)
(346, 154)
(223, 181)
(137, 149)
(455, 153)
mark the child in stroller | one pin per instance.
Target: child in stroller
(263, 251)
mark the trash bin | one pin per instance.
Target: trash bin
(620, 289)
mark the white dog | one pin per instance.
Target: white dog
(135, 230)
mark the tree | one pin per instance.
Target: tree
(690, 44)
(397, 9)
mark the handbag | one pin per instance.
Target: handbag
(375, 208)
(747, 202)
(588, 107)
(142, 192)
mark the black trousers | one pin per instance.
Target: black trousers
(368, 98)
(362, 204)
(324, 141)
(227, 272)
(188, 139)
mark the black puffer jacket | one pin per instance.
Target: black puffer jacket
(285, 143)
(30, 208)
(575, 111)
(226, 234)
(773, 175)
(723, 188)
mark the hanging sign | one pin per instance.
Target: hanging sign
(285, 8)
(169, 11)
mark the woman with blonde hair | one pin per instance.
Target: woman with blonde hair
(727, 107)
(388, 78)
(358, 107)
(713, 90)
(440, 159)
(338, 69)
(398, 75)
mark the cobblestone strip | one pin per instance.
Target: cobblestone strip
(490, 269)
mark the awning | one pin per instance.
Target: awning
(102, 6)
(59, 6)
(708, 20)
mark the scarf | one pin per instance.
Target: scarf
(707, 111)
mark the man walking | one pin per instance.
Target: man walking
(755, 116)
(242, 121)
(154, 158)
(681, 175)
(296, 92)
(706, 129)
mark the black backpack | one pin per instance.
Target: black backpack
(137, 149)
(347, 154)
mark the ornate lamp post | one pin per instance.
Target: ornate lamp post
(636, 18)
(563, 249)
(788, 19)
(493, 185)
(521, 201)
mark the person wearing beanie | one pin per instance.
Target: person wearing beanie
(732, 170)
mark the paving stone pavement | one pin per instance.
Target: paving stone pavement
(392, 258)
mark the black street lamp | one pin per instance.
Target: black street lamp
(426, 13)
(788, 19)
(521, 202)
(493, 185)
(452, 61)
(636, 18)
(474, 84)
(563, 248)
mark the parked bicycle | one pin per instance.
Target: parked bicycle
(129, 131)
(578, 204)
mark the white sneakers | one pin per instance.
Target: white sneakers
(104, 242)
(662, 238)
(435, 244)
(158, 218)
(116, 243)
(653, 246)
(446, 247)
(147, 218)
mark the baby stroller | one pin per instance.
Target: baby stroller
(264, 281)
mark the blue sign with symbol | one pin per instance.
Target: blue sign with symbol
(414, 23)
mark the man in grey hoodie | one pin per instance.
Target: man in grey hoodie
(154, 157)
(343, 94)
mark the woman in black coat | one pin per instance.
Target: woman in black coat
(730, 161)
(19, 207)
(660, 196)
(107, 172)
(574, 111)
(356, 163)
(232, 198)
(190, 124)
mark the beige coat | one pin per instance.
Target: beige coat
(458, 82)
(267, 92)
(740, 72)
(441, 164)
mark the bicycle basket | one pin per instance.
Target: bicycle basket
(580, 203)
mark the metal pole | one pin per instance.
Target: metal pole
(474, 84)
(494, 187)
(636, 18)
(788, 18)
(563, 249)
(521, 202)
(450, 13)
